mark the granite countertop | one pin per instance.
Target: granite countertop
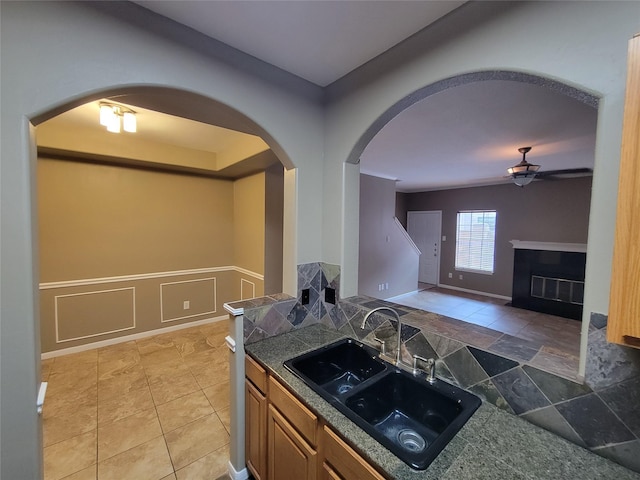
(492, 445)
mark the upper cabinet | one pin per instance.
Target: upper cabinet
(624, 306)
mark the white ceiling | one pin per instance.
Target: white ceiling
(464, 136)
(470, 135)
(318, 40)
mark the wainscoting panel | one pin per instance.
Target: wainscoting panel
(78, 312)
(247, 289)
(89, 314)
(187, 299)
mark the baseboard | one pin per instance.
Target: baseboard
(128, 338)
(466, 290)
(237, 475)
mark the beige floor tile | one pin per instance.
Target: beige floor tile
(64, 401)
(218, 395)
(75, 361)
(118, 366)
(215, 328)
(168, 389)
(190, 342)
(153, 344)
(122, 384)
(116, 437)
(56, 428)
(149, 461)
(45, 369)
(77, 379)
(117, 351)
(89, 473)
(224, 415)
(163, 371)
(122, 406)
(195, 440)
(70, 456)
(183, 410)
(170, 477)
(164, 355)
(208, 467)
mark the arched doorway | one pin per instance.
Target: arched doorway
(586, 100)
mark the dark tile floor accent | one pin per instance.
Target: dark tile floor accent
(492, 364)
(556, 389)
(594, 421)
(519, 391)
(465, 368)
(624, 400)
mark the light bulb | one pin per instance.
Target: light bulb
(129, 122)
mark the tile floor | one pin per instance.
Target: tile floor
(554, 341)
(151, 409)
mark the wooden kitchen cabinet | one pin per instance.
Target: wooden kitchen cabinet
(340, 461)
(290, 457)
(287, 441)
(256, 419)
(624, 304)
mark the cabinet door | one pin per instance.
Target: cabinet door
(290, 457)
(624, 306)
(328, 473)
(255, 431)
(342, 461)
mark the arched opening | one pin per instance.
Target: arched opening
(98, 192)
(498, 152)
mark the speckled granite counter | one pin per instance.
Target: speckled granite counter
(492, 445)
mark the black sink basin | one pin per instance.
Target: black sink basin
(338, 367)
(411, 417)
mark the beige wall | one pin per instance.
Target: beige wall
(273, 230)
(123, 249)
(103, 221)
(249, 224)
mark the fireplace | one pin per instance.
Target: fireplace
(549, 277)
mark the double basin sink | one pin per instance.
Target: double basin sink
(412, 418)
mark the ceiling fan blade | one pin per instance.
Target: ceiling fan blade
(563, 172)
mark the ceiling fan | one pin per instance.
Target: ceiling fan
(524, 172)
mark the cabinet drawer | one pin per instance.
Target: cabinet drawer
(254, 372)
(344, 460)
(298, 415)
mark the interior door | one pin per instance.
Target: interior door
(424, 228)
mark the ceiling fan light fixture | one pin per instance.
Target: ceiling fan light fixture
(524, 172)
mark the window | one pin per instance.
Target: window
(475, 241)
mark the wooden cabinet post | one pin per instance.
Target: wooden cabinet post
(624, 303)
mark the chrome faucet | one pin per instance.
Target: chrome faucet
(364, 321)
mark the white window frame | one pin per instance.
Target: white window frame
(466, 268)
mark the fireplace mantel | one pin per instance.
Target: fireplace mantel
(549, 246)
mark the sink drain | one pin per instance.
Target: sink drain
(344, 388)
(411, 440)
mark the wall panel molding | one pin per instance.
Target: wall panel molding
(89, 311)
(145, 276)
(170, 301)
(248, 284)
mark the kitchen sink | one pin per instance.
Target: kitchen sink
(411, 417)
(338, 367)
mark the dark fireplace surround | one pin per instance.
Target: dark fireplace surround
(549, 278)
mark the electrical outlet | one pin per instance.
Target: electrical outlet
(386, 286)
(460, 277)
(330, 295)
(186, 305)
(444, 238)
(305, 296)
(450, 275)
